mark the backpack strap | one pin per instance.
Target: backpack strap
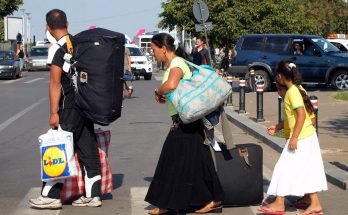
(68, 58)
(69, 46)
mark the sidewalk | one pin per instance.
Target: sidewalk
(332, 131)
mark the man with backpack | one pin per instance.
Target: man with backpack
(63, 112)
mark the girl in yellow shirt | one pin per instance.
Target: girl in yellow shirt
(299, 170)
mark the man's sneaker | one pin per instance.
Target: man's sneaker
(43, 202)
(87, 202)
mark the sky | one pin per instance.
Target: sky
(124, 16)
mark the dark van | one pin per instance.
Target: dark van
(317, 59)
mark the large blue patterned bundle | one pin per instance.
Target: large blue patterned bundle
(200, 95)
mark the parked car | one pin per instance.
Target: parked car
(38, 58)
(9, 67)
(320, 61)
(141, 65)
(341, 44)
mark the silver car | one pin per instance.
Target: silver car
(38, 58)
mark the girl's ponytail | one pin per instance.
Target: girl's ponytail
(307, 102)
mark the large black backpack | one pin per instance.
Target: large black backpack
(98, 58)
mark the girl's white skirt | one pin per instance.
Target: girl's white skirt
(299, 172)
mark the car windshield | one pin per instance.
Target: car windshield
(135, 52)
(325, 45)
(39, 52)
(5, 56)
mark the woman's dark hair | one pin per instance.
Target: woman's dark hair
(56, 19)
(288, 70)
(164, 39)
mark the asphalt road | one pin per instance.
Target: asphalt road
(136, 142)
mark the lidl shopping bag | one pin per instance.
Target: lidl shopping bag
(57, 155)
(200, 95)
(74, 187)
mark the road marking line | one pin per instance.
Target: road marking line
(12, 81)
(20, 114)
(137, 195)
(23, 208)
(31, 81)
(158, 78)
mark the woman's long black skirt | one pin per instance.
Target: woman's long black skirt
(185, 176)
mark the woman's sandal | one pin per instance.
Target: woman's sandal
(158, 211)
(211, 207)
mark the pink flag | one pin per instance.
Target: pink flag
(140, 31)
(92, 27)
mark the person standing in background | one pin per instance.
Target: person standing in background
(200, 55)
(128, 72)
(20, 55)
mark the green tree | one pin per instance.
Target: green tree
(7, 7)
(233, 18)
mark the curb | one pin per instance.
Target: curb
(334, 174)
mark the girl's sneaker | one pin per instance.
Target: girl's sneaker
(87, 202)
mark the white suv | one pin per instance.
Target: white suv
(341, 44)
(140, 64)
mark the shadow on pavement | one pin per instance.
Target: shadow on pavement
(339, 126)
(117, 180)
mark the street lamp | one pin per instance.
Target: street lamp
(28, 28)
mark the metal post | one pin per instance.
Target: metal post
(252, 79)
(259, 102)
(280, 108)
(27, 30)
(23, 31)
(314, 101)
(229, 99)
(242, 96)
(206, 37)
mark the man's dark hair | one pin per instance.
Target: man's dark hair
(202, 38)
(56, 19)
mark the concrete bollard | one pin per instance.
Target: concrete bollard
(242, 96)
(280, 108)
(314, 101)
(259, 103)
(252, 79)
(229, 99)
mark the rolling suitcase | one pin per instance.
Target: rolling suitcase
(239, 168)
(240, 173)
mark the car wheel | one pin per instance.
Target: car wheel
(148, 77)
(340, 80)
(14, 76)
(137, 77)
(261, 77)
